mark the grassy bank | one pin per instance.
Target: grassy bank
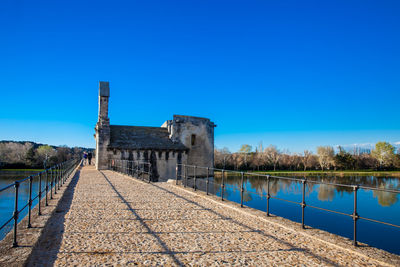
(21, 170)
(340, 173)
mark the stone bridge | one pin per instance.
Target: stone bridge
(107, 218)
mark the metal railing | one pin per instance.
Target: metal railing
(191, 172)
(53, 178)
(135, 168)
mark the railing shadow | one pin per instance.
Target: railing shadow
(250, 229)
(142, 222)
(44, 252)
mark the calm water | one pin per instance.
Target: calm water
(376, 205)
(7, 197)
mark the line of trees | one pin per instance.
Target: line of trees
(17, 155)
(382, 157)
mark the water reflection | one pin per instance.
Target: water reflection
(257, 184)
(7, 197)
(377, 205)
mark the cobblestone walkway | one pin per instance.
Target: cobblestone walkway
(114, 219)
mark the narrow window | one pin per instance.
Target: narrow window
(193, 139)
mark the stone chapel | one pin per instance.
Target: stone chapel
(182, 140)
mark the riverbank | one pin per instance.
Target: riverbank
(339, 173)
(20, 170)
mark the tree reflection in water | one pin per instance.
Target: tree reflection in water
(258, 184)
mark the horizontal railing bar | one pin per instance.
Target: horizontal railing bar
(373, 220)
(7, 186)
(7, 222)
(65, 168)
(282, 199)
(334, 211)
(300, 180)
(380, 189)
(26, 205)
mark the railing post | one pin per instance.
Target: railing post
(149, 172)
(40, 194)
(194, 178)
(15, 215)
(51, 183)
(176, 174)
(55, 180)
(268, 195)
(47, 187)
(62, 173)
(303, 202)
(355, 216)
(222, 186)
(137, 170)
(241, 189)
(61, 176)
(30, 202)
(208, 179)
(185, 182)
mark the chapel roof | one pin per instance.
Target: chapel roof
(139, 137)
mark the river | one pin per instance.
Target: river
(7, 197)
(378, 205)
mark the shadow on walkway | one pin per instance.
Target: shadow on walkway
(250, 229)
(162, 243)
(48, 245)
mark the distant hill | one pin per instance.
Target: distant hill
(28, 154)
(36, 145)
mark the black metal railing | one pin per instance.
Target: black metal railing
(186, 173)
(135, 168)
(53, 178)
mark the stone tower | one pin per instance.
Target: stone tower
(197, 134)
(103, 127)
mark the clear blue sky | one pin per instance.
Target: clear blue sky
(296, 74)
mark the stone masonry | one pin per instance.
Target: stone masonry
(182, 140)
(113, 219)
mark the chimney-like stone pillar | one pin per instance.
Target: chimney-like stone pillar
(103, 127)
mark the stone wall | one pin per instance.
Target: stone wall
(197, 134)
(163, 162)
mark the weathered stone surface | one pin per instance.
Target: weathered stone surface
(116, 220)
(104, 89)
(183, 140)
(46, 227)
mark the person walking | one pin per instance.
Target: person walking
(89, 156)
(84, 157)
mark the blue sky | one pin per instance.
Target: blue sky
(296, 74)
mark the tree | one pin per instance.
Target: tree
(344, 160)
(325, 156)
(31, 156)
(383, 153)
(63, 154)
(44, 153)
(306, 158)
(222, 157)
(245, 151)
(272, 155)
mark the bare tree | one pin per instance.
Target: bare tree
(44, 153)
(325, 156)
(222, 157)
(272, 155)
(306, 159)
(245, 151)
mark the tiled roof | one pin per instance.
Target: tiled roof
(137, 137)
